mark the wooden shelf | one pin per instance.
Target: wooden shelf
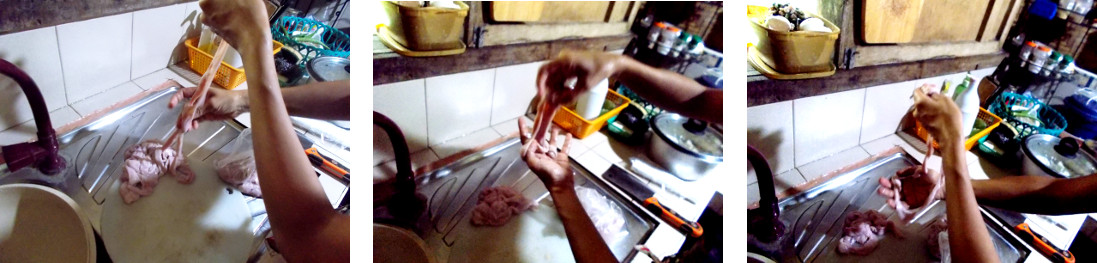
(761, 90)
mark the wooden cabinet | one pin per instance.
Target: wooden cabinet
(506, 22)
(895, 31)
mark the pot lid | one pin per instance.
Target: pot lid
(1058, 156)
(329, 68)
(689, 135)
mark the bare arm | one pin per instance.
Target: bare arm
(967, 234)
(305, 226)
(664, 88)
(321, 100)
(672, 91)
(1039, 194)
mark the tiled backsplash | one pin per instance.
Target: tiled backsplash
(82, 65)
(794, 135)
(446, 113)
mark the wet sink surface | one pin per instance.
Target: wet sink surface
(452, 193)
(94, 155)
(814, 220)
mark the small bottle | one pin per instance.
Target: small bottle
(589, 104)
(968, 102)
(654, 32)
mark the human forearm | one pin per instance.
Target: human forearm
(294, 198)
(671, 91)
(1038, 194)
(321, 100)
(968, 236)
(586, 244)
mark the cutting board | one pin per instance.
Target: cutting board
(517, 11)
(200, 222)
(950, 20)
(890, 21)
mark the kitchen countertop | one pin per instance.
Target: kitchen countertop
(979, 168)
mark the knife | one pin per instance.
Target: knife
(633, 187)
(328, 165)
(1017, 222)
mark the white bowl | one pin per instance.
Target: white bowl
(40, 224)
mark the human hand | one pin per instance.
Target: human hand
(220, 105)
(550, 164)
(587, 67)
(239, 22)
(917, 187)
(937, 114)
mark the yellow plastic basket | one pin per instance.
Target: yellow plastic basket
(992, 122)
(581, 128)
(227, 76)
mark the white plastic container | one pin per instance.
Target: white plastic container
(205, 40)
(589, 104)
(968, 101)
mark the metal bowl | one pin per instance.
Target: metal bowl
(687, 148)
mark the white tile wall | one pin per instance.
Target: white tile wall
(470, 141)
(515, 87)
(154, 79)
(405, 103)
(156, 34)
(95, 54)
(827, 124)
(458, 104)
(885, 106)
(106, 98)
(770, 130)
(27, 131)
(35, 52)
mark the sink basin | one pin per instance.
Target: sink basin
(533, 236)
(94, 153)
(40, 224)
(814, 221)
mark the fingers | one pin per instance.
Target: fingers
(567, 144)
(884, 182)
(523, 130)
(179, 96)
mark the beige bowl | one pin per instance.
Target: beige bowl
(391, 244)
(40, 224)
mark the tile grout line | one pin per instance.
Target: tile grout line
(61, 62)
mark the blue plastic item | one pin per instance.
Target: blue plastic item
(1043, 8)
(1051, 122)
(334, 42)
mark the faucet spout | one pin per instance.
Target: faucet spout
(764, 221)
(43, 153)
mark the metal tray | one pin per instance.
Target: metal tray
(814, 220)
(452, 193)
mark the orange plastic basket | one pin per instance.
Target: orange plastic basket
(581, 128)
(992, 122)
(227, 76)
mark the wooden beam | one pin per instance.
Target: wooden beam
(765, 91)
(389, 67)
(525, 33)
(888, 54)
(16, 16)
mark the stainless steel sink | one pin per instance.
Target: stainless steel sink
(94, 153)
(452, 193)
(814, 221)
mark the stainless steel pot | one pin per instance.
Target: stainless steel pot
(1049, 155)
(687, 148)
(323, 69)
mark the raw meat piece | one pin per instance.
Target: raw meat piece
(863, 231)
(145, 163)
(935, 230)
(242, 175)
(497, 205)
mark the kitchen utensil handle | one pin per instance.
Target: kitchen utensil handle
(690, 228)
(1043, 245)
